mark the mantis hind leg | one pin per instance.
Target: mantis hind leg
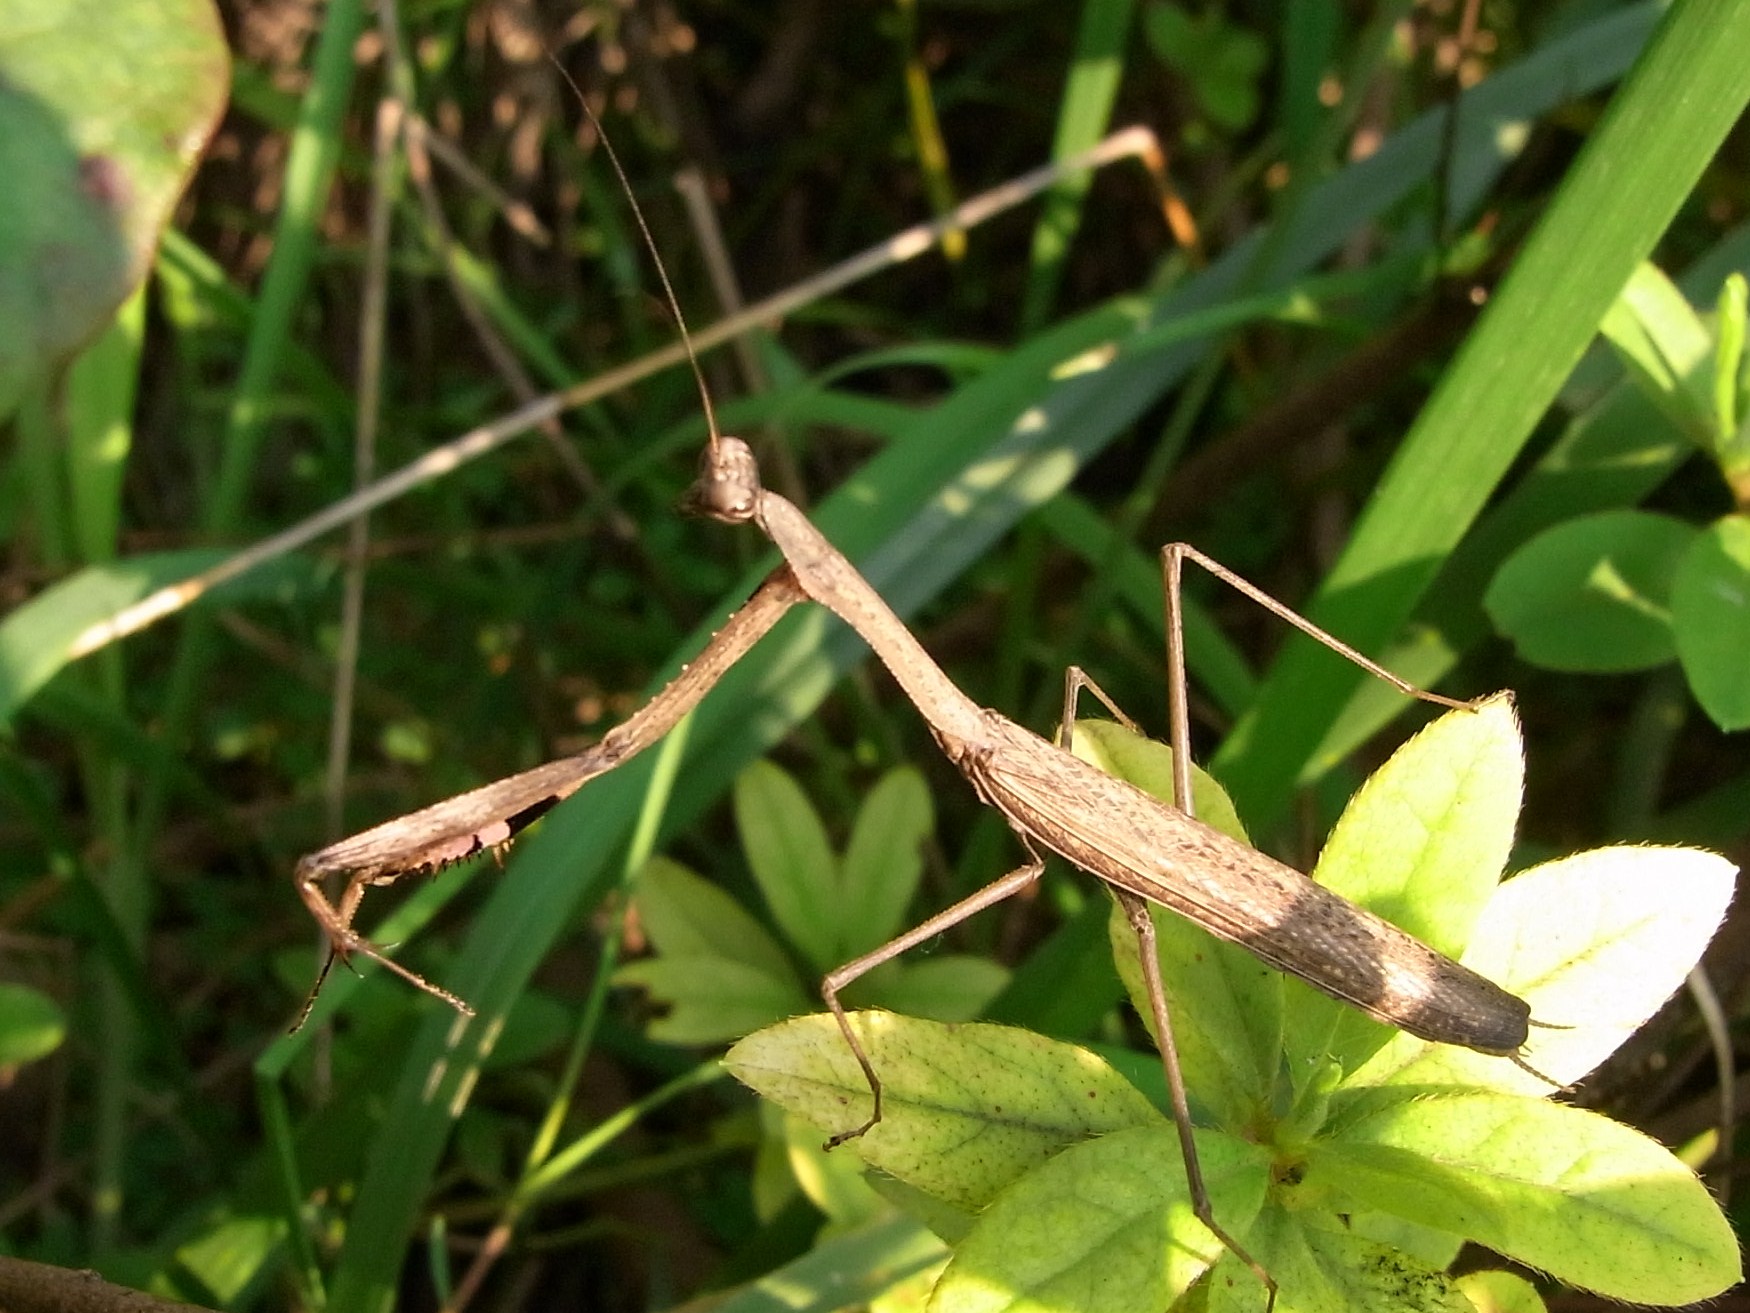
(1173, 558)
(1136, 912)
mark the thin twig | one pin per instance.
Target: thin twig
(521, 218)
(1129, 143)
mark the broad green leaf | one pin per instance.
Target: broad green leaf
(952, 987)
(31, 1025)
(717, 970)
(1422, 843)
(1592, 594)
(1710, 614)
(1148, 764)
(710, 999)
(1432, 1249)
(685, 915)
(101, 138)
(883, 861)
(966, 1110)
(1666, 348)
(1435, 1250)
(1225, 1007)
(787, 849)
(1595, 943)
(1105, 1227)
(1563, 1190)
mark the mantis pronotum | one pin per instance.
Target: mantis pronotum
(1145, 851)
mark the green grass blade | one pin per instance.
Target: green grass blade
(1627, 184)
(309, 173)
(1081, 121)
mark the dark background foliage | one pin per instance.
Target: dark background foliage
(518, 607)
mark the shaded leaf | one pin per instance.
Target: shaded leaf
(1220, 60)
(794, 865)
(710, 999)
(686, 915)
(951, 987)
(717, 970)
(1592, 594)
(883, 861)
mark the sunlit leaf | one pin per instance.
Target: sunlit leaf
(1104, 1227)
(1561, 1189)
(966, 1109)
(1596, 943)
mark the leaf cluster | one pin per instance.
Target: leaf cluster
(1351, 1161)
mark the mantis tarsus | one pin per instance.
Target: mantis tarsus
(1145, 851)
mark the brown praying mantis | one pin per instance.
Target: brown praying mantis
(1145, 851)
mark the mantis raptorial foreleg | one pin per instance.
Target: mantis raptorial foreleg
(487, 818)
